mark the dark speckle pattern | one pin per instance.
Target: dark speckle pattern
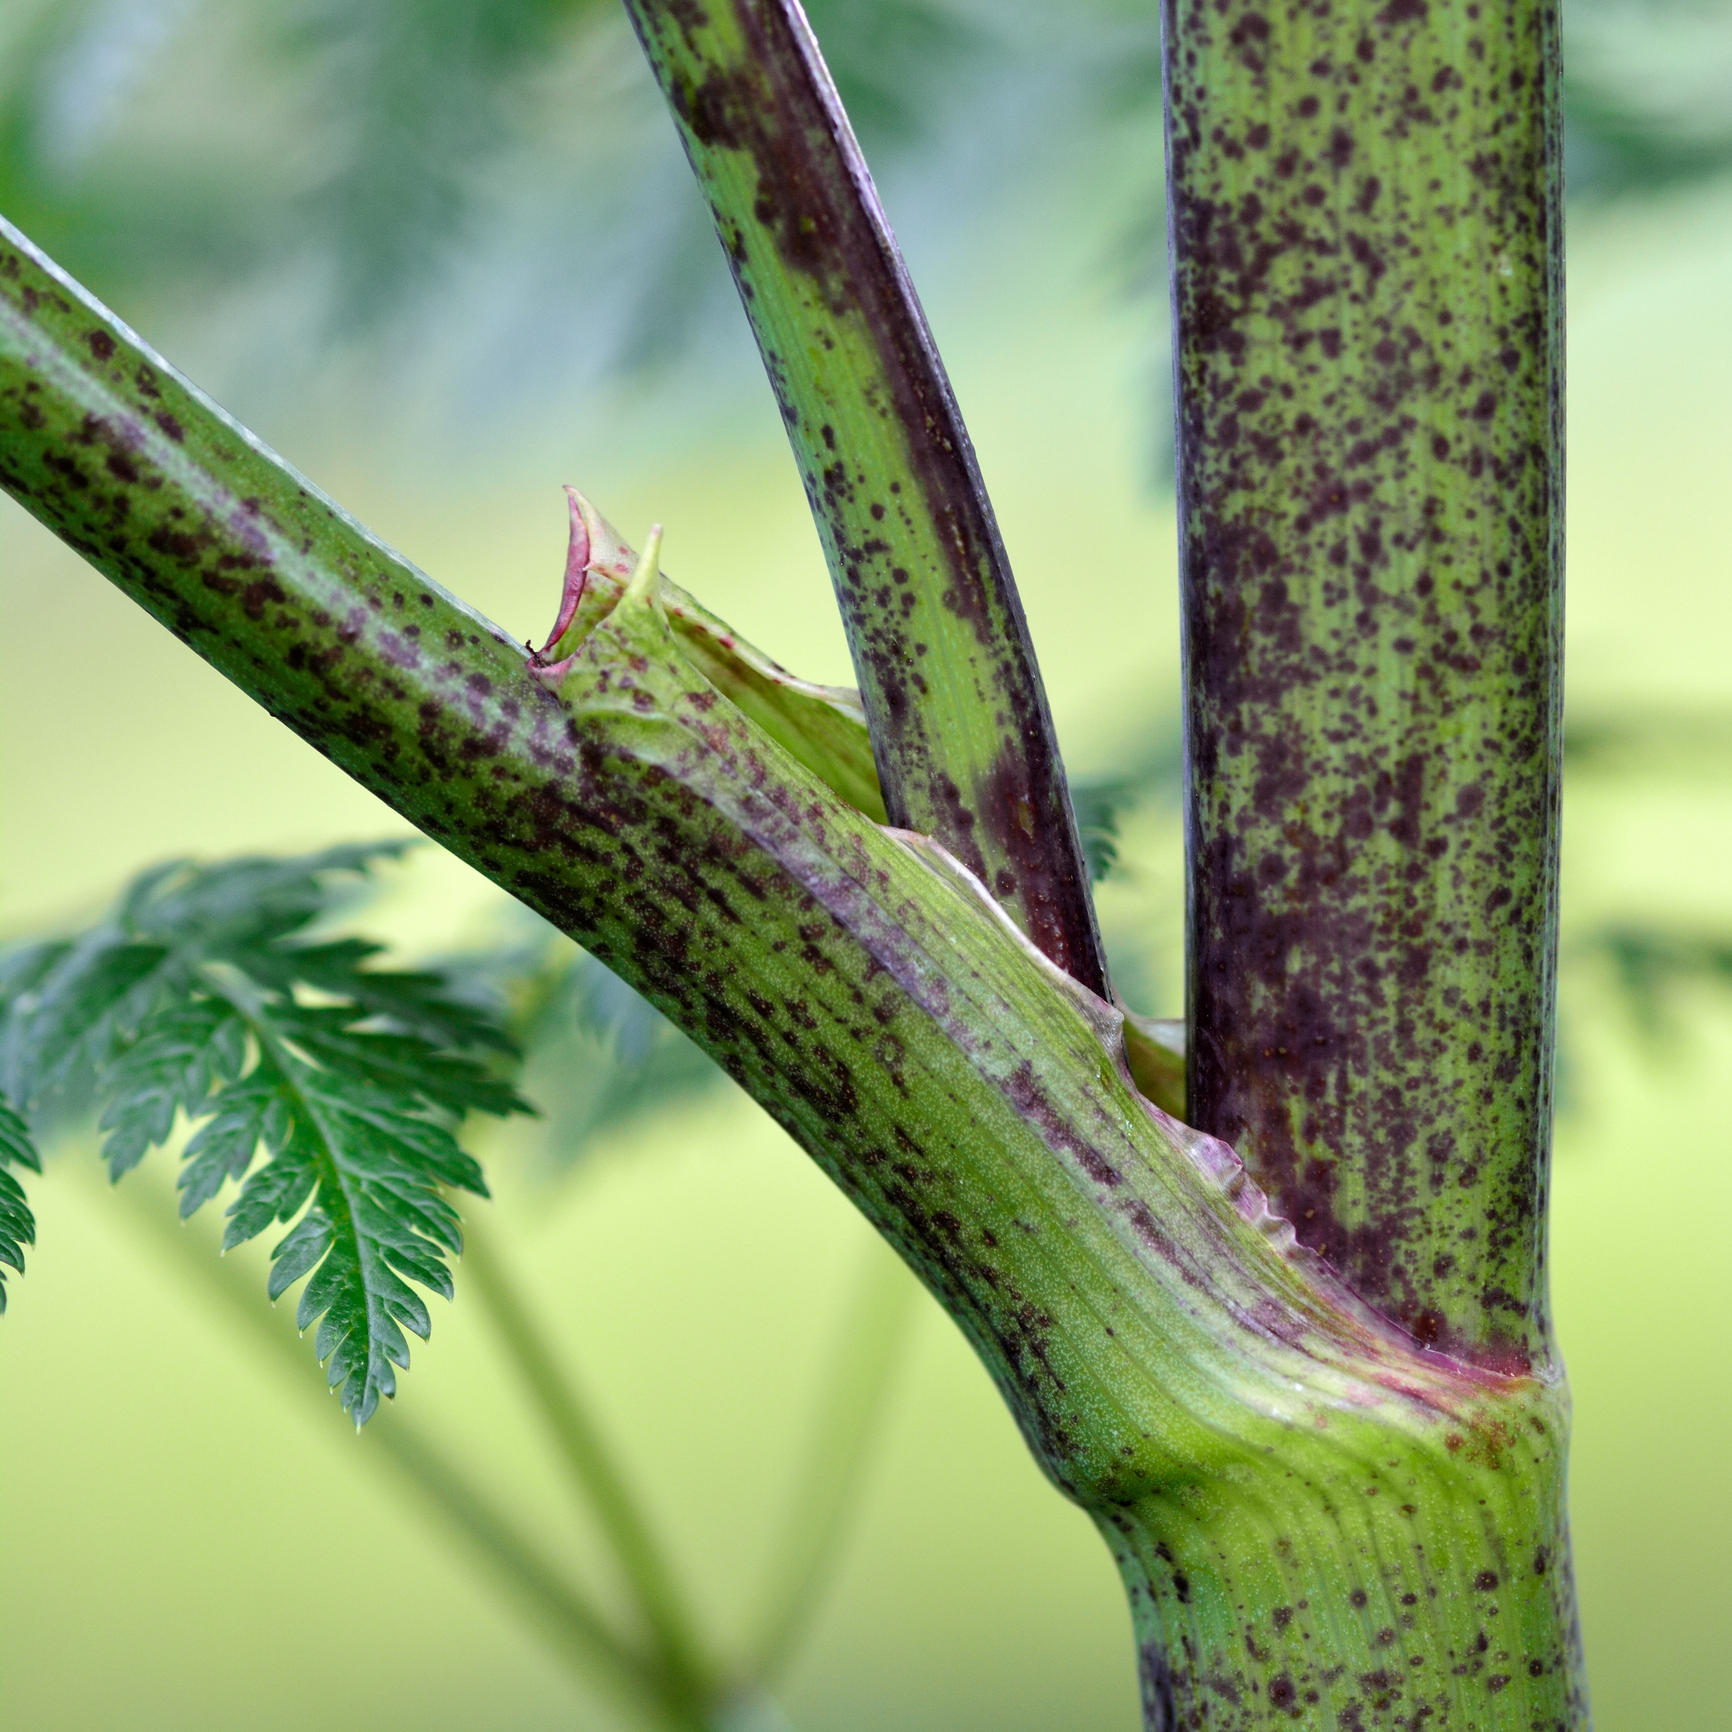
(1246, 1437)
(960, 728)
(1366, 234)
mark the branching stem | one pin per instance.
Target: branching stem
(595, 1475)
(576, 1629)
(961, 730)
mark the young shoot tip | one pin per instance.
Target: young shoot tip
(645, 584)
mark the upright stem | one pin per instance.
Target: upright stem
(961, 732)
(1368, 293)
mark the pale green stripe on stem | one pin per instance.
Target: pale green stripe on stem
(596, 1477)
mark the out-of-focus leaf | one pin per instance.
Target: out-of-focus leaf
(1648, 95)
(190, 999)
(1101, 802)
(17, 1224)
(1649, 741)
(377, 149)
(894, 60)
(600, 1057)
(1649, 964)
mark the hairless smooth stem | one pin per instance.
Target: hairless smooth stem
(1325, 1439)
(1366, 236)
(960, 727)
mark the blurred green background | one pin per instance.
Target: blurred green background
(443, 257)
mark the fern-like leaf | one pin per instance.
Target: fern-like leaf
(171, 1068)
(191, 1001)
(17, 1224)
(370, 1163)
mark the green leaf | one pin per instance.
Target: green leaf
(97, 997)
(190, 1000)
(372, 1166)
(23, 970)
(247, 901)
(328, 1034)
(169, 1069)
(419, 1003)
(17, 1224)
(247, 1115)
(601, 1056)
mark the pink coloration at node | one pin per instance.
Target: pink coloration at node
(550, 673)
(576, 577)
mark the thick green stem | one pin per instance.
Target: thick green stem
(1368, 298)
(1159, 1337)
(960, 727)
(1347, 1579)
(595, 1474)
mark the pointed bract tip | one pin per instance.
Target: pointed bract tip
(576, 572)
(608, 550)
(643, 585)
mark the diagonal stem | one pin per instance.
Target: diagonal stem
(826, 1499)
(577, 1630)
(594, 1473)
(961, 731)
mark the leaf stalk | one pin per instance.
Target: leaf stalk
(594, 1474)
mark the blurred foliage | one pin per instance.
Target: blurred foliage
(1648, 94)
(1652, 966)
(1101, 802)
(17, 1224)
(204, 996)
(224, 998)
(596, 1055)
(1649, 965)
(369, 151)
(378, 175)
